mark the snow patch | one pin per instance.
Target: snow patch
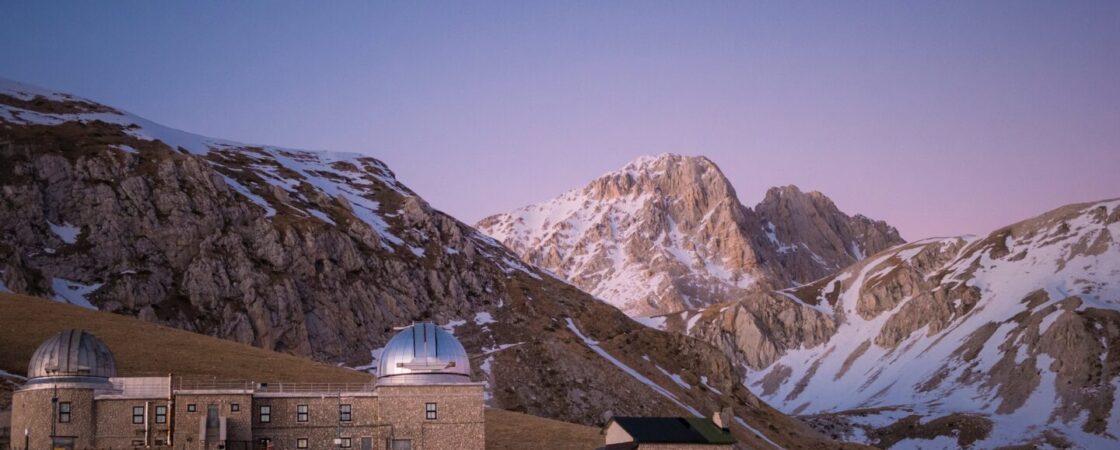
(74, 293)
(594, 345)
(375, 358)
(754, 430)
(940, 442)
(66, 232)
(126, 149)
(269, 211)
(483, 318)
(704, 381)
(320, 215)
(655, 322)
(676, 378)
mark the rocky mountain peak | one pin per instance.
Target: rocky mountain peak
(812, 237)
(696, 180)
(668, 232)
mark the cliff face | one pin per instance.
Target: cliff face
(1015, 333)
(813, 238)
(320, 254)
(232, 242)
(668, 233)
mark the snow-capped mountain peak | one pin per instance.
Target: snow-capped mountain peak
(668, 232)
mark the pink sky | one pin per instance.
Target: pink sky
(942, 118)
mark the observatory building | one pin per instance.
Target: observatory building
(423, 399)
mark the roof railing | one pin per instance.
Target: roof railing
(286, 388)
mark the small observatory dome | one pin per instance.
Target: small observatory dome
(72, 356)
(423, 354)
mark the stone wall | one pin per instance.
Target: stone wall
(32, 411)
(459, 422)
(114, 427)
(323, 423)
(238, 423)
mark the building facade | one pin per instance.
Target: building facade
(423, 399)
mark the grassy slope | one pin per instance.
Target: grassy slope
(513, 430)
(143, 348)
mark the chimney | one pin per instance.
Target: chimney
(722, 418)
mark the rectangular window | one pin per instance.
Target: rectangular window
(137, 414)
(345, 443)
(343, 413)
(301, 413)
(430, 411)
(64, 412)
(191, 407)
(235, 407)
(161, 414)
(301, 443)
(266, 414)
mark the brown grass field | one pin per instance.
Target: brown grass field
(143, 348)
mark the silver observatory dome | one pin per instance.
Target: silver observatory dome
(423, 354)
(72, 356)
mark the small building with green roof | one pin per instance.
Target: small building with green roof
(635, 433)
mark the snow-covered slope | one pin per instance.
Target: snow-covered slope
(1018, 331)
(667, 233)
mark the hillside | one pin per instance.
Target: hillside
(1013, 337)
(667, 233)
(26, 321)
(320, 254)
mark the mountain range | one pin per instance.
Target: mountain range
(650, 291)
(320, 254)
(938, 343)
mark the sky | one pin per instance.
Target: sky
(942, 118)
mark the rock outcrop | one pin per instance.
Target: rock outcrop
(1018, 330)
(668, 233)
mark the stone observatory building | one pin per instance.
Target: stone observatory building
(423, 399)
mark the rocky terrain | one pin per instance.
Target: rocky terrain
(668, 233)
(320, 254)
(1008, 339)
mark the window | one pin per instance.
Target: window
(345, 443)
(266, 414)
(301, 443)
(137, 414)
(64, 412)
(402, 444)
(343, 413)
(191, 407)
(161, 414)
(235, 407)
(430, 411)
(301, 413)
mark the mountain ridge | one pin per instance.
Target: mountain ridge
(668, 232)
(1015, 332)
(320, 254)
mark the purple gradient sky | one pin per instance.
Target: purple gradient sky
(940, 117)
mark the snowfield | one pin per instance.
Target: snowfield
(928, 373)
